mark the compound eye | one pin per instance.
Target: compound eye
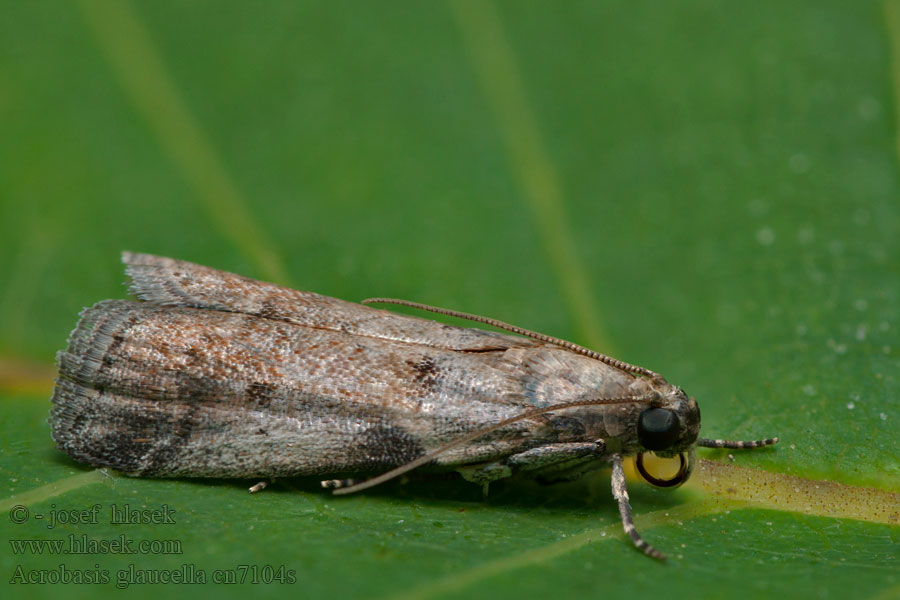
(658, 429)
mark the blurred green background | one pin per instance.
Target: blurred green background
(706, 188)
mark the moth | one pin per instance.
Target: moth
(210, 374)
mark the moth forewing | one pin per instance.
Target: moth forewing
(210, 374)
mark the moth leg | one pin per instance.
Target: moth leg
(333, 484)
(485, 473)
(620, 493)
(554, 455)
(540, 458)
(261, 485)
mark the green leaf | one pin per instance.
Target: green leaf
(706, 189)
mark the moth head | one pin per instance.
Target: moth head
(669, 429)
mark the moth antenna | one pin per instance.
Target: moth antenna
(737, 445)
(396, 472)
(613, 362)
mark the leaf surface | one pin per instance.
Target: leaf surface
(708, 189)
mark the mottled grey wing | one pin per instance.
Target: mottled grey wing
(172, 390)
(170, 282)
